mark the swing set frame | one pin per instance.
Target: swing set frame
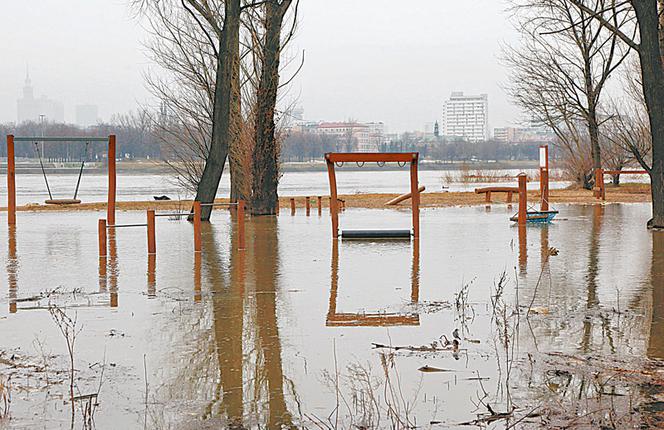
(11, 170)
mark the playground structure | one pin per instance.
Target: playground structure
(395, 201)
(600, 188)
(11, 172)
(103, 226)
(339, 159)
(544, 214)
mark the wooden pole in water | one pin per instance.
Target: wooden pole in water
(599, 179)
(307, 205)
(292, 206)
(11, 181)
(334, 204)
(320, 205)
(102, 237)
(152, 245)
(110, 204)
(544, 177)
(415, 196)
(406, 196)
(240, 224)
(523, 199)
(197, 227)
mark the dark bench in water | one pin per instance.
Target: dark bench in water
(537, 216)
(375, 234)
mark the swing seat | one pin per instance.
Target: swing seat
(62, 202)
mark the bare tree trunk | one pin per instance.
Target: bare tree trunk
(224, 101)
(653, 90)
(265, 169)
(239, 176)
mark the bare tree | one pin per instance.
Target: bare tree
(561, 70)
(648, 42)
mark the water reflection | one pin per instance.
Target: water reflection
(346, 319)
(113, 270)
(251, 383)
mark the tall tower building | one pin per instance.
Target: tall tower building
(29, 108)
(466, 117)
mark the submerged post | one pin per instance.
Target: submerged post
(599, 184)
(292, 206)
(544, 177)
(307, 205)
(152, 245)
(240, 224)
(320, 205)
(415, 196)
(11, 181)
(101, 227)
(110, 204)
(197, 227)
(523, 199)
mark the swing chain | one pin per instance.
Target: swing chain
(339, 163)
(359, 163)
(401, 163)
(380, 163)
(41, 164)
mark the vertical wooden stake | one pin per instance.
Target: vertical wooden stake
(101, 227)
(110, 204)
(307, 205)
(334, 204)
(415, 196)
(197, 227)
(11, 181)
(292, 206)
(240, 224)
(152, 246)
(320, 205)
(544, 177)
(523, 199)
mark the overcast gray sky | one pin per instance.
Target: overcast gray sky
(371, 60)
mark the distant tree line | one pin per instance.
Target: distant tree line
(307, 146)
(134, 136)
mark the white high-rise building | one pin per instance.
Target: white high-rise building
(466, 117)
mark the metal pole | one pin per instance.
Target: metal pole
(152, 246)
(110, 205)
(11, 182)
(102, 237)
(197, 227)
(240, 224)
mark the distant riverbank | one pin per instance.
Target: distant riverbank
(156, 167)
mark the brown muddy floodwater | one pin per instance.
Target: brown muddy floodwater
(297, 331)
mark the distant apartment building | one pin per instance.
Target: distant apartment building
(30, 108)
(365, 137)
(87, 115)
(519, 135)
(466, 117)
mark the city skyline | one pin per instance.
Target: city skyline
(369, 73)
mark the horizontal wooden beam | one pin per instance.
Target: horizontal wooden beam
(371, 157)
(496, 190)
(59, 139)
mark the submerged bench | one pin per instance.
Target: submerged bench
(488, 190)
(375, 234)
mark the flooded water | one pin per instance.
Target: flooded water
(31, 188)
(283, 334)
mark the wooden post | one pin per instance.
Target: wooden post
(152, 246)
(509, 197)
(197, 227)
(320, 205)
(523, 199)
(240, 224)
(544, 177)
(292, 206)
(278, 209)
(334, 204)
(415, 196)
(599, 179)
(152, 275)
(11, 181)
(110, 204)
(197, 278)
(487, 197)
(101, 227)
(307, 204)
